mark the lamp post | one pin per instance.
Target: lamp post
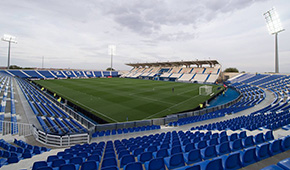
(112, 52)
(274, 27)
(10, 39)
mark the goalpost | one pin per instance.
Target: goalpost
(205, 90)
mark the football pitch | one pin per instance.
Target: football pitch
(119, 99)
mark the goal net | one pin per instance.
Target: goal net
(205, 90)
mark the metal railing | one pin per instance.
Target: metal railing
(15, 128)
(60, 141)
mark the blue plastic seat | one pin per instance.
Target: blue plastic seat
(94, 157)
(223, 148)
(123, 153)
(233, 137)
(145, 156)
(275, 147)
(162, 153)
(152, 149)
(138, 151)
(263, 151)
(175, 150)
(26, 155)
(242, 135)
(248, 141)
(134, 166)
(110, 168)
(155, 164)
(213, 141)
(284, 164)
(39, 164)
(215, 164)
(259, 138)
(236, 145)
(192, 156)
(188, 147)
(51, 158)
(12, 159)
(223, 133)
(248, 156)
(110, 155)
(126, 159)
(57, 163)
(208, 152)
(232, 161)
(77, 161)
(174, 161)
(286, 143)
(223, 139)
(269, 136)
(272, 167)
(90, 165)
(68, 167)
(109, 162)
(201, 145)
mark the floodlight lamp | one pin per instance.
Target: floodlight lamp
(273, 21)
(9, 38)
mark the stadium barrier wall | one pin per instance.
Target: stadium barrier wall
(15, 128)
(60, 141)
(162, 121)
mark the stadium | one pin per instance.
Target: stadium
(152, 112)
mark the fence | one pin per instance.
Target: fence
(15, 128)
(60, 141)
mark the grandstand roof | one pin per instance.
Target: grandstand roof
(176, 63)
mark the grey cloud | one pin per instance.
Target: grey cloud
(147, 17)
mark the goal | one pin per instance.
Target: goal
(205, 90)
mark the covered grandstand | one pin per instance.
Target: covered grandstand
(203, 71)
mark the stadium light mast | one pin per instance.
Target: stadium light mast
(112, 52)
(10, 39)
(274, 27)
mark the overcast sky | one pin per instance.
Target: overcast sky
(76, 33)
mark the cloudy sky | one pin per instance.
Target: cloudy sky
(76, 34)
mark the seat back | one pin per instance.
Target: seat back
(215, 164)
(145, 156)
(39, 164)
(176, 160)
(194, 156)
(109, 162)
(175, 150)
(57, 162)
(249, 156)
(233, 137)
(233, 161)
(275, 147)
(263, 151)
(286, 143)
(259, 138)
(133, 166)
(156, 164)
(269, 136)
(223, 148)
(236, 145)
(189, 147)
(126, 159)
(89, 165)
(162, 153)
(76, 160)
(248, 141)
(67, 167)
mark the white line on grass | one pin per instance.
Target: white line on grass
(187, 91)
(170, 107)
(160, 101)
(90, 108)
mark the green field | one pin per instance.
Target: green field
(115, 99)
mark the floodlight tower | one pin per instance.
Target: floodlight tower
(112, 52)
(274, 27)
(10, 39)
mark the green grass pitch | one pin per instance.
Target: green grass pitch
(115, 99)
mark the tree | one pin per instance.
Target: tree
(231, 70)
(110, 69)
(15, 67)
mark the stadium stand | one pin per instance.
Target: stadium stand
(230, 143)
(52, 119)
(51, 74)
(177, 71)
